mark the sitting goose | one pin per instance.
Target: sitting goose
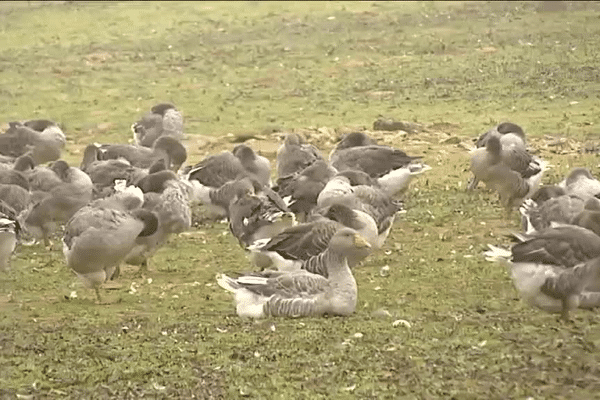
(104, 173)
(164, 148)
(294, 155)
(555, 269)
(15, 196)
(97, 239)
(258, 216)
(43, 140)
(301, 293)
(580, 182)
(9, 234)
(163, 120)
(561, 209)
(288, 250)
(217, 200)
(496, 168)
(354, 152)
(366, 198)
(301, 190)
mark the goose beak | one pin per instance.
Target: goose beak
(360, 242)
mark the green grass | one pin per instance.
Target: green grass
(252, 68)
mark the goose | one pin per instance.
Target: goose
(15, 196)
(504, 128)
(163, 120)
(358, 151)
(166, 148)
(547, 192)
(288, 250)
(256, 165)
(258, 216)
(561, 209)
(104, 173)
(172, 208)
(217, 200)
(9, 234)
(294, 155)
(43, 140)
(17, 175)
(218, 169)
(301, 293)
(580, 182)
(302, 189)
(490, 165)
(370, 199)
(73, 176)
(554, 269)
(97, 239)
(44, 217)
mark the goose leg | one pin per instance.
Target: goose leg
(568, 303)
(473, 184)
(97, 289)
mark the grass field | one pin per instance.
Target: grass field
(253, 69)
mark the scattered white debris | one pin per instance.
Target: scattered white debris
(358, 335)
(350, 388)
(73, 295)
(157, 386)
(385, 270)
(401, 322)
(221, 330)
(149, 280)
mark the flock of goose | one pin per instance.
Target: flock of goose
(304, 231)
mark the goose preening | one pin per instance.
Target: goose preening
(97, 239)
(171, 205)
(301, 293)
(292, 247)
(580, 182)
(43, 140)
(294, 155)
(165, 148)
(510, 171)
(163, 119)
(504, 128)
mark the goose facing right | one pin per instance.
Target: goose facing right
(301, 293)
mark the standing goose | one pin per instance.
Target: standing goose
(301, 293)
(489, 165)
(96, 240)
(9, 234)
(171, 206)
(256, 165)
(504, 128)
(554, 269)
(163, 120)
(294, 155)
